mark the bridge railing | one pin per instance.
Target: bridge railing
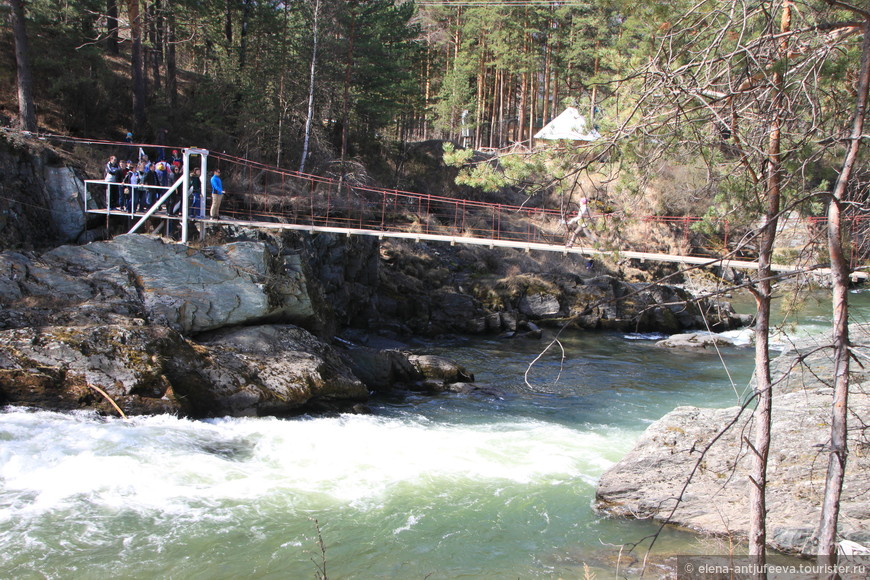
(132, 200)
(261, 193)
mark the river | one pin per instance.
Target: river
(495, 484)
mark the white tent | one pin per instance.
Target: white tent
(570, 125)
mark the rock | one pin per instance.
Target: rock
(439, 372)
(646, 481)
(186, 289)
(263, 370)
(444, 291)
(64, 190)
(56, 367)
(382, 370)
(274, 370)
(448, 307)
(696, 340)
(539, 305)
(347, 268)
(387, 370)
(40, 198)
(120, 315)
(532, 330)
(606, 303)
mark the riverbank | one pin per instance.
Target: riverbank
(249, 326)
(645, 483)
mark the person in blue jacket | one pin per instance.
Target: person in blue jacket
(217, 194)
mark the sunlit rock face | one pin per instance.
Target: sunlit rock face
(688, 440)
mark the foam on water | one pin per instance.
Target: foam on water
(645, 336)
(168, 464)
(81, 493)
(740, 336)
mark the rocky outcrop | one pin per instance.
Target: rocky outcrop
(41, 201)
(165, 328)
(188, 290)
(390, 369)
(429, 292)
(265, 370)
(647, 481)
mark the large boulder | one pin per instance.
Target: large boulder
(439, 373)
(189, 290)
(275, 369)
(385, 370)
(263, 370)
(647, 481)
(65, 192)
(699, 341)
(41, 201)
(62, 367)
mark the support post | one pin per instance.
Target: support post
(203, 169)
(185, 198)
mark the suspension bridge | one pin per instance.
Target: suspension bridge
(263, 196)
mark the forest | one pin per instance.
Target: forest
(256, 77)
(314, 85)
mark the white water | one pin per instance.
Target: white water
(149, 488)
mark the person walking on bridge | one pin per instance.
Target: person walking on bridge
(580, 219)
(217, 194)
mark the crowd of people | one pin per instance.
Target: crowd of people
(137, 186)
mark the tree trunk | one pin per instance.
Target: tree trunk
(521, 107)
(348, 72)
(555, 89)
(532, 106)
(228, 23)
(838, 449)
(492, 110)
(26, 110)
(310, 115)
(427, 87)
(594, 97)
(243, 35)
(499, 119)
(112, 27)
(137, 66)
(764, 386)
(546, 92)
(481, 91)
(155, 32)
(171, 63)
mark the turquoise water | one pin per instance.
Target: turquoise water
(495, 484)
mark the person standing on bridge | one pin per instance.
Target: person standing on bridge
(580, 219)
(175, 198)
(197, 208)
(217, 194)
(113, 178)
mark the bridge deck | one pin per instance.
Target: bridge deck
(578, 249)
(280, 199)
